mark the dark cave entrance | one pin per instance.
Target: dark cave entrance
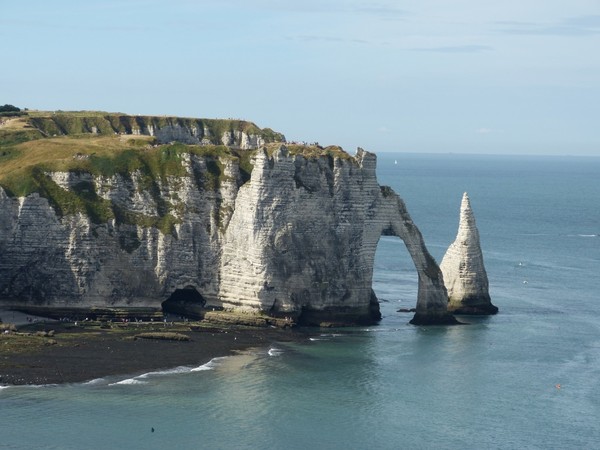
(187, 302)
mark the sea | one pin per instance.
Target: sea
(526, 378)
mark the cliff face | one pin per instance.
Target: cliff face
(303, 236)
(272, 230)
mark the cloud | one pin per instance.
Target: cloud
(573, 26)
(385, 11)
(455, 49)
(333, 39)
(484, 130)
(311, 6)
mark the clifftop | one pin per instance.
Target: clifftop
(196, 131)
(41, 148)
(107, 143)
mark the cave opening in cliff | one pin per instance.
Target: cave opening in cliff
(186, 302)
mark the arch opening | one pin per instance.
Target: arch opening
(395, 278)
(186, 302)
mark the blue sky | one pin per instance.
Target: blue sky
(464, 76)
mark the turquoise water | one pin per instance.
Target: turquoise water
(492, 384)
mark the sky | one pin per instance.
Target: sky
(462, 76)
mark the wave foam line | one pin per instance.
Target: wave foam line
(128, 381)
(143, 378)
(274, 351)
(95, 382)
(213, 363)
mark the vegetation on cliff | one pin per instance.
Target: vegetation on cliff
(27, 168)
(105, 145)
(74, 123)
(11, 111)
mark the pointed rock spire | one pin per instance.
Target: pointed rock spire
(463, 270)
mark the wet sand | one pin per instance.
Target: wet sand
(83, 353)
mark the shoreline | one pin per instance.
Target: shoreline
(57, 353)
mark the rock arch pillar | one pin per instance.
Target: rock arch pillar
(432, 297)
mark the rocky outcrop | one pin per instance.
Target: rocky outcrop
(464, 272)
(291, 236)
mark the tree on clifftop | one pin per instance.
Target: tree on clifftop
(9, 108)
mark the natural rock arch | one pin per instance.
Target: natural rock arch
(310, 250)
(432, 297)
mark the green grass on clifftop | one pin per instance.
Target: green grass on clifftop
(33, 147)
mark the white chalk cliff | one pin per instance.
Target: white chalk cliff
(464, 273)
(285, 231)
(302, 240)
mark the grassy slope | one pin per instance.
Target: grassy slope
(78, 122)
(23, 169)
(45, 142)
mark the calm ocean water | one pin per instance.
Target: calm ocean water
(492, 384)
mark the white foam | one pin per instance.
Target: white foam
(94, 382)
(142, 379)
(160, 373)
(274, 352)
(128, 381)
(209, 365)
(203, 367)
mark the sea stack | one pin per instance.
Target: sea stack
(463, 269)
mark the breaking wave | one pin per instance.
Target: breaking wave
(94, 382)
(143, 379)
(209, 365)
(274, 351)
(128, 381)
